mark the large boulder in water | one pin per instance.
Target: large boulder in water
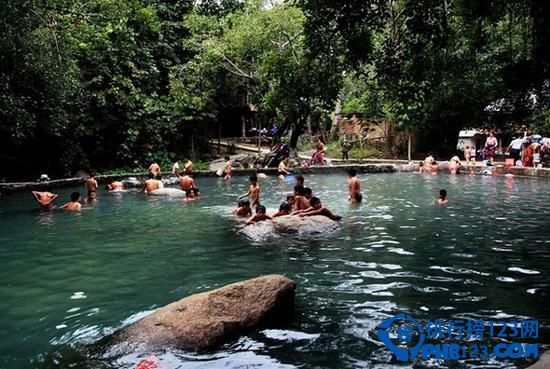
(300, 227)
(203, 319)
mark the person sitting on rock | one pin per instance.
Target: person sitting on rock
(259, 216)
(317, 208)
(284, 209)
(45, 199)
(243, 208)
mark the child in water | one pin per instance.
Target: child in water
(284, 209)
(243, 209)
(259, 216)
(253, 191)
(318, 209)
(442, 200)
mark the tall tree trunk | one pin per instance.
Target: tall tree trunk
(243, 126)
(337, 114)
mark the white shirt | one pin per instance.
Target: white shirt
(175, 167)
(516, 144)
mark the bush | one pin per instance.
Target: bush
(334, 150)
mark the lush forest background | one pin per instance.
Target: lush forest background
(119, 83)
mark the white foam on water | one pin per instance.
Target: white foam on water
(505, 279)
(523, 271)
(78, 295)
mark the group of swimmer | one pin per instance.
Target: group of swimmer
(301, 202)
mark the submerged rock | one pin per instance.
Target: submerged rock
(206, 318)
(172, 192)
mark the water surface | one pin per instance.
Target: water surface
(69, 279)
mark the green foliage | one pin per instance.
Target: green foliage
(334, 150)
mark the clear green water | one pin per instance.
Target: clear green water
(68, 279)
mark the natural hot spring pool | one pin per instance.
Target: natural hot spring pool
(68, 279)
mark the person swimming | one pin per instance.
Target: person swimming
(259, 216)
(243, 208)
(442, 200)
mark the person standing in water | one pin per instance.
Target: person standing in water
(45, 199)
(91, 186)
(74, 204)
(154, 169)
(282, 169)
(354, 187)
(442, 200)
(253, 191)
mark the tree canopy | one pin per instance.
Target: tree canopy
(117, 83)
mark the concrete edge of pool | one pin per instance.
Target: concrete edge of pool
(398, 166)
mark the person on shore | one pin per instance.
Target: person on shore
(152, 183)
(115, 186)
(253, 191)
(282, 170)
(188, 167)
(354, 187)
(176, 168)
(243, 209)
(154, 169)
(259, 216)
(74, 204)
(227, 168)
(514, 149)
(429, 161)
(91, 186)
(467, 154)
(442, 199)
(284, 209)
(301, 203)
(490, 148)
(454, 165)
(45, 199)
(529, 152)
(317, 208)
(299, 180)
(346, 147)
(318, 156)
